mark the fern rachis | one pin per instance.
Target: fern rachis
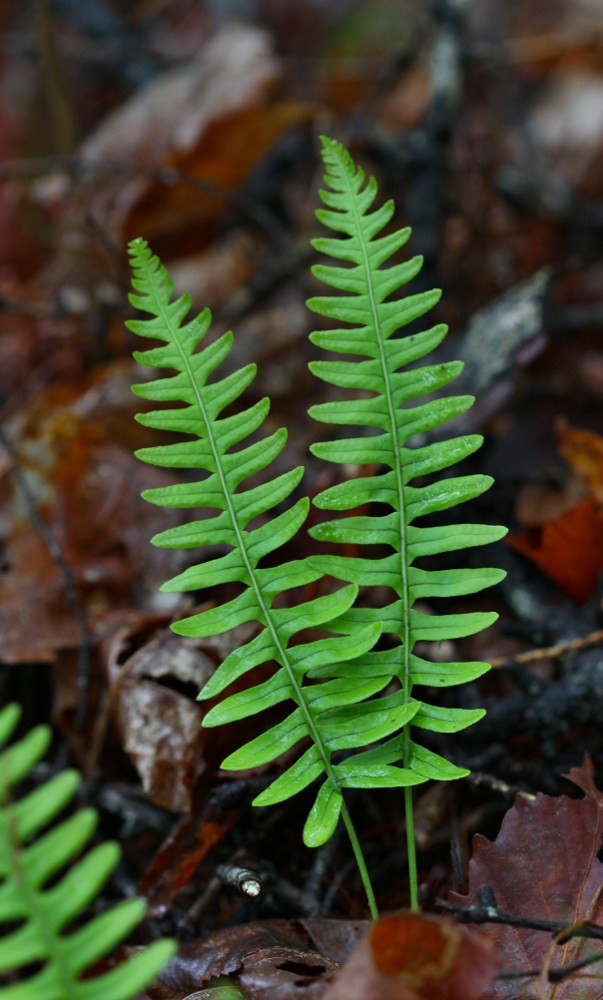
(372, 322)
(335, 715)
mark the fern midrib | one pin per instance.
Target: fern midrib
(301, 702)
(36, 912)
(398, 466)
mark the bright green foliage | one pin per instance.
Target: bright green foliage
(336, 714)
(374, 320)
(43, 914)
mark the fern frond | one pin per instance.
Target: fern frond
(334, 715)
(374, 320)
(28, 864)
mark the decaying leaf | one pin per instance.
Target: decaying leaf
(270, 959)
(178, 857)
(412, 956)
(87, 488)
(161, 727)
(172, 155)
(544, 865)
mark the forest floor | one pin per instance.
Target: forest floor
(195, 124)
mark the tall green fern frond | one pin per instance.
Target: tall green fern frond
(373, 320)
(29, 859)
(334, 715)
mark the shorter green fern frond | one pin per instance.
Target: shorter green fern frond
(29, 859)
(348, 709)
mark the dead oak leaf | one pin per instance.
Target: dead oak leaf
(544, 865)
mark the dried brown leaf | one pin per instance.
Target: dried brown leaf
(544, 865)
(178, 857)
(412, 956)
(87, 488)
(271, 959)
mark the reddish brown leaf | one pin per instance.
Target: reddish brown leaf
(569, 550)
(411, 956)
(544, 865)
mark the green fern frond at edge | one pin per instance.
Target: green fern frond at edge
(373, 320)
(28, 864)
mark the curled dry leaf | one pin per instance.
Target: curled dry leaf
(233, 71)
(544, 865)
(161, 727)
(269, 960)
(411, 956)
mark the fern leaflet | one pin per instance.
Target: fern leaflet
(334, 715)
(27, 865)
(374, 319)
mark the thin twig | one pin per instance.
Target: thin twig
(557, 974)
(71, 595)
(492, 915)
(551, 652)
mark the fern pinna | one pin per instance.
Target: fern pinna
(42, 913)
(373, 322)
(334, 715)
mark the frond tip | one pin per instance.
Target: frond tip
(29, 859)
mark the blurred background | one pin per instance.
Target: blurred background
(196, 124)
